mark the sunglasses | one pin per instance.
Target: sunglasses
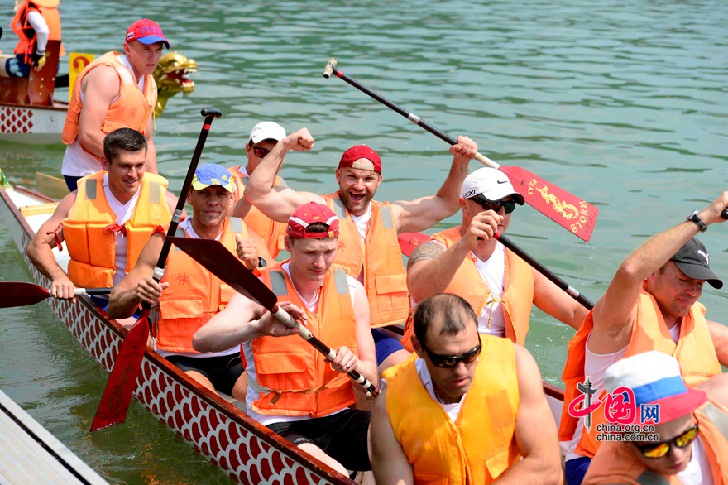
(494, 205)
(260, 152)
(658, 450)
(450, 361)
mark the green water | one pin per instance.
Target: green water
(621, 103)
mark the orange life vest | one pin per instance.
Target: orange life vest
(90, 228)
(271, 231)
(194, 294)
(478, 447)
(517, 297)
(26, 34)
(379, 257)
(293, 376)
(616, 463)
(131, 109)
(694, 351)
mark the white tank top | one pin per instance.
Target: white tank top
(76, 161)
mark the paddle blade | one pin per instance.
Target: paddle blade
(221, 262)
(120, 387)
(21, 293)
(567, 210)
(408, 241)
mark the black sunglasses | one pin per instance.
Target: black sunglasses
(450, 361)
(260, 152)
(658, 450)
(494, 205)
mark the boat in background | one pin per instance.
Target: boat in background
(30, 114)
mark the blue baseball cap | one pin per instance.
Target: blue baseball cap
(213, 174)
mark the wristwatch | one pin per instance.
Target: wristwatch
(694, 217)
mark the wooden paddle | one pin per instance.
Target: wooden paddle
(415, 238)
(567, 210)
(220, 262)
(22, 293)
(117, 395)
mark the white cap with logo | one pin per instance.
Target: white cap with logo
(267, 130)
(489, 183)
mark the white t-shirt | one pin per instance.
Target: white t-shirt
(698, 470)
(452, 410)
(253, 395)
(123, 213)
(76, 161)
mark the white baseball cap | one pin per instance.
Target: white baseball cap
(267, 130)
(489, 183)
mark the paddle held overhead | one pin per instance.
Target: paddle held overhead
(567, 210)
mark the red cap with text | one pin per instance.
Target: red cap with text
(351, 158)
(311, 213)
(147, 32)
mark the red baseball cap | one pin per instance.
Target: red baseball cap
(147, 32)
(311, 213)
(357, 153)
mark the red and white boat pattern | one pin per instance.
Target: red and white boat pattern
(248, 452)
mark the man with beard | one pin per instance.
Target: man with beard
(468, 408)
(189, 295)
(368, 246)
(651, 304)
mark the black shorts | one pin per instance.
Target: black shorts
(222, 371)
(342, 436)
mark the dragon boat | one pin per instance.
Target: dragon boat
(248, 452)
(29, 113)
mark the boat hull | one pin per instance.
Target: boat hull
(248, 452)
(39, 125)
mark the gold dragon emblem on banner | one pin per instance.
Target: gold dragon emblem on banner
(567, 211)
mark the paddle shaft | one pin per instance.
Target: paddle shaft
(209, 114)
(290, 322)
(410, 116)
(219, 261)
(570, 290)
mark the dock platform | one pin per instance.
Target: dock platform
(30, 454)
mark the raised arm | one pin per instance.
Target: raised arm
(556, 302)
(541, 461)
(40, 249)
(389, 461)
(275, 201)
(614, 313)
(420, 214)
(138, 284)
(242, 320)
(100, 87)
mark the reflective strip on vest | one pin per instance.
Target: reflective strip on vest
(278, 283)
(340, 208)
(91, 190)
(387, 218)
(179, 232)
(652, 478)
(719, 419)
(155, 192)
(236, 225)
(342, 286)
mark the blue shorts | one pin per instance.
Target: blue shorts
(385, 344)
(16, 67)
(574, 470)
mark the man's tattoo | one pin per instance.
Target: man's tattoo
(426, 251)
